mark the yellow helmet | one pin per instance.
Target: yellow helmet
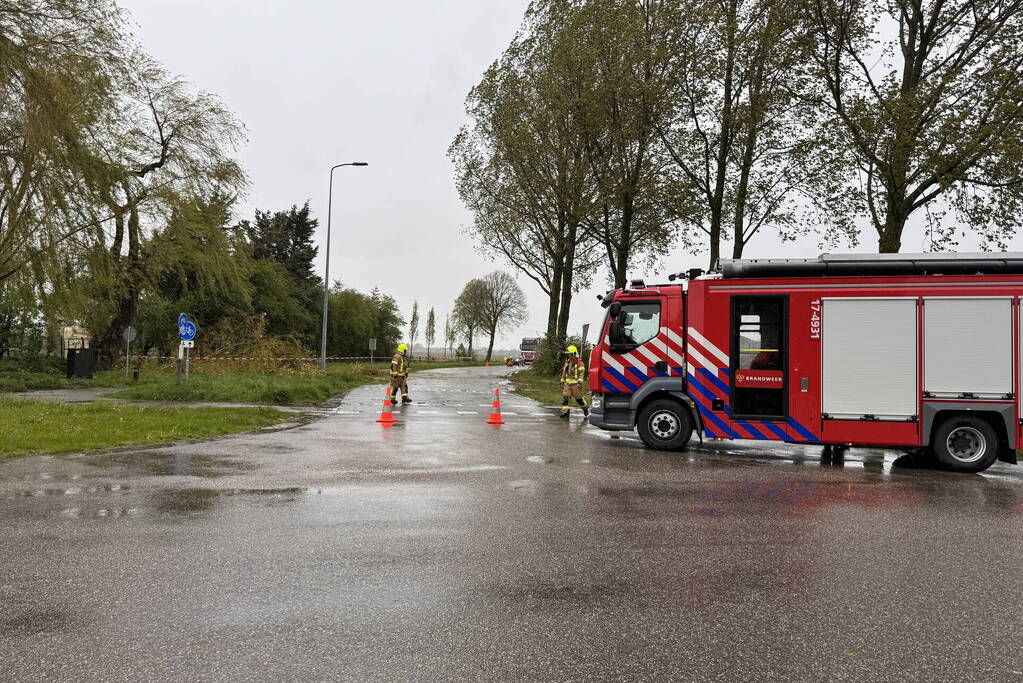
(571, 349)
(402, 348)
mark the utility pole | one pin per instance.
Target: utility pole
(326, 270)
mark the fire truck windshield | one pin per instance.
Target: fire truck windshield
(640, 322)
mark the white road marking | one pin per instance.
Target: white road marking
(468, 412)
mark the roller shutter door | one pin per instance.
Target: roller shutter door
(869, 358)
(968, 347)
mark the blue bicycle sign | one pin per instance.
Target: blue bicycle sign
(186, 328)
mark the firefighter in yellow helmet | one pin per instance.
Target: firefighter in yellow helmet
(572, 374)
(399, 375)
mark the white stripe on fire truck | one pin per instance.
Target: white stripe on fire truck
(696, 358)
(664, 348)
(713, 350)
(636, 360)
(614, 364)
(675, 337)
(655, 357)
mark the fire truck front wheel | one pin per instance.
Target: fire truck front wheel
(665, 425)
(965, 443)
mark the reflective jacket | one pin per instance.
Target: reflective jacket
(573, 371)
(399, 365)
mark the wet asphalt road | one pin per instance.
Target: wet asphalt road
(446, 549)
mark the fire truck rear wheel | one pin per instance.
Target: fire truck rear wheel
(665, 425)
(966, 444)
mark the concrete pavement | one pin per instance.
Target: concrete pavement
(447, 549)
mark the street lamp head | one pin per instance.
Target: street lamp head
(359, 163)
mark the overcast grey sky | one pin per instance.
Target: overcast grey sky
(319, 83)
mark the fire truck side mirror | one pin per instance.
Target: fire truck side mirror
(615, 310)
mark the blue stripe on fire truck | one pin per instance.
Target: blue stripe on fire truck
(725, 395)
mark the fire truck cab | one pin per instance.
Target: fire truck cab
(913, 352)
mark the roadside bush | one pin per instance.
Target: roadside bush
(551, 355)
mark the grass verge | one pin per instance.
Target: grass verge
(286, 387)
(45, 427)
(281, 388)
(540, 387)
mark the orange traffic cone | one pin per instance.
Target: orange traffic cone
(386, 414)
(495, 416)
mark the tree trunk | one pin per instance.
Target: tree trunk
(742, 192)
(724, 142)
(554, 300)
(490, 346)
(568, 275)
(890, 239)
(128, 282)
(623, 248)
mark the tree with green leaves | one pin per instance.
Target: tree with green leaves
(413, 326)
(742, 133)
(286, 238)
(927, 97)
(387, 320)
(431, 330)
(468, 313)
(521, 169)
(450, 334)
(60, 61)
(503, 306)
(165, 142)
(356, 317)
(610, 56)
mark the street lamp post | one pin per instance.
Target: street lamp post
(326, 270)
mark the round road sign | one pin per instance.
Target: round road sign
(130, 334)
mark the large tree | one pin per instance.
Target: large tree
(468, 313)
(521, 168)
(59, 62)
(612, 59)
(165, 142)
(741, 133)
(503, 306)
(286, 238)
(927, 95)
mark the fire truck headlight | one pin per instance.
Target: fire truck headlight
(595, 401)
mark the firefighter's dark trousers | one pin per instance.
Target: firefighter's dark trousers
(571, 391)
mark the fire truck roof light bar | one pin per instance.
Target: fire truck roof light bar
(876, 264)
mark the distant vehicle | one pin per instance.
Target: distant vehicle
(528, 349)
(914, 352)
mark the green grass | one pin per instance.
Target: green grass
(275, 388)
(539, 387)
(44, 427)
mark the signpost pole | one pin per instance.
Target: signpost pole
(177, 365)
(187, 350)
(127, 358)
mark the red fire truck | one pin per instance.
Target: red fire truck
(913, 352)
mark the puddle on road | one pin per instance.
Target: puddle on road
(172, 464)
(540, 459)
